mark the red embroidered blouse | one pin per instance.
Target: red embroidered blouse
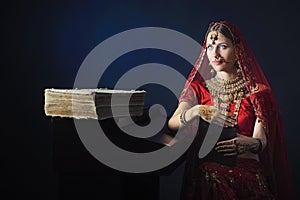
(246, 115)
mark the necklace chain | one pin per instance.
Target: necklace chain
(225, 92)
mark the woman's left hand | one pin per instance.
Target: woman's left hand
(237, 145)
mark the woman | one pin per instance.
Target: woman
(227, 87)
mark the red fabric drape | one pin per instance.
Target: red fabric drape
(274, 158)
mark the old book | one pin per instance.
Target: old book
(226, 134)
(93, 103)
(200, 142)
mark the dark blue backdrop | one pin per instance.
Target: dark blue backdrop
(45, 44)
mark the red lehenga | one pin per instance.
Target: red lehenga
(268, 178)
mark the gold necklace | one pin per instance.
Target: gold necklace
(224, 92)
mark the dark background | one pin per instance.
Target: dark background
(44, 44)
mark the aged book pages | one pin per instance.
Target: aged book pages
(93, 103)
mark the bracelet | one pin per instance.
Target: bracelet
(260, 146)
(182, 118)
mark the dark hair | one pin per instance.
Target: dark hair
(223, 30)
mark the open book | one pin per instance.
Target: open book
(93, 103)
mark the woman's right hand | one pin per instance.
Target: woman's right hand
(211, 114)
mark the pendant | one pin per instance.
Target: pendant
(240, 94)
(226, 97)
(224, 106)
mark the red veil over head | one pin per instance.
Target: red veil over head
(274, 158)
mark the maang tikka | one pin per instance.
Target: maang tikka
(214, 37)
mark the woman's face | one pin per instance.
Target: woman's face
(220, 52)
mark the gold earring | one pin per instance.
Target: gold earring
(212, 71)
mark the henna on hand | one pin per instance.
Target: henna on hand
(213, 115)
(207, 112)
(239, 145)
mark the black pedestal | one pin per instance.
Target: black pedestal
(81, 176)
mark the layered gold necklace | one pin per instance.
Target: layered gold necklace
(225, 92)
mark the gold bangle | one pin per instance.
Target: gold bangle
(182, 118)
(260, 146)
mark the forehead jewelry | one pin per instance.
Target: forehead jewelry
(214, 37)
